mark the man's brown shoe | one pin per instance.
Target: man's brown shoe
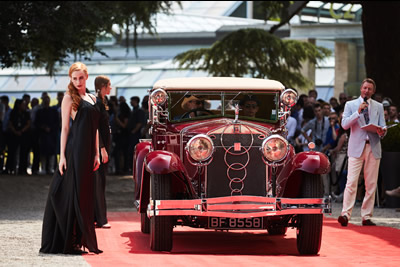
(343, 220)
(368, 223)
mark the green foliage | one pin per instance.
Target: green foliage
(255, 53)
(271, 10)
(391, 142)
(43, 33)
(138, 14)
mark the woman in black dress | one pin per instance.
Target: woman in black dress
(68, 222)
(102, 85)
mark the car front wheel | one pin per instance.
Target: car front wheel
(161, 227)
(309, 229)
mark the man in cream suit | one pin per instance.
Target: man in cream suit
(364, 149)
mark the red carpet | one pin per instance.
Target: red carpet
(125, 245)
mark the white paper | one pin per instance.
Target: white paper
(371, 128)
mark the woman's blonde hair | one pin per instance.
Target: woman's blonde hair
(73, 92)
(99, 83)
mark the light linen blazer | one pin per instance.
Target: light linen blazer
(353, 120)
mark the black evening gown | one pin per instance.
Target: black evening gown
(100, 174)
(69, 218)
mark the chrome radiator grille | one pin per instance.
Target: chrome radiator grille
(237, 167)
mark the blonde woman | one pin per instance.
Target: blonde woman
(102, 85)
(68, 223)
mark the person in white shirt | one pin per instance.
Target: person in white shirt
(364, 148)
(291, 128)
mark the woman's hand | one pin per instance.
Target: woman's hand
(96, 162)
(104, 155)
(62, 165)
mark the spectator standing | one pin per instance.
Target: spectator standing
(112, 111)
(330, 142)
(136, 123)
(319, 126)
(393, 114)
(60, 96)
(35, 144)
(27, 100)
(386, 114)
(342, 100)
(364, 148)
(121, 138)
(291, 129)
(5, 111)
(102, 86)
(19, 125)
(313, 93)
(145, 108)
(339, 159)
(326, 109)
(47, 123)
(331, 135)
(334, 104)
(299, 108)
(378, 97)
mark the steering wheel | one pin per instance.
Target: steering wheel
(186, 115)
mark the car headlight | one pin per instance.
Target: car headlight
(200, 147)
(275, 148)
(289, 97)
(158, 96)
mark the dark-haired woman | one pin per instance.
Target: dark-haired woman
(102, 85)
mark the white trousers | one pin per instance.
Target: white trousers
(371, 168)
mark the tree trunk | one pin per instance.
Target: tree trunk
(380, 22)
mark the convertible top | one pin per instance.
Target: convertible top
(218, 83)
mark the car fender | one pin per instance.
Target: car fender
(163, 162)
(141, 150)
(310, 161)
(157, 162)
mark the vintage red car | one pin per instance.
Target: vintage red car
(218, 158)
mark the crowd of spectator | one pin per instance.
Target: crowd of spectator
(30, 133)
(320, 122)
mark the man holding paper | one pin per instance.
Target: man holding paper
(364, 149)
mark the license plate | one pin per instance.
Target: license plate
(235, 223)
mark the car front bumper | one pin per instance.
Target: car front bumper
(239, 206)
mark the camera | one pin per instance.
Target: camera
(318, 142)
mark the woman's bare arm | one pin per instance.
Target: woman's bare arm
(66, 109)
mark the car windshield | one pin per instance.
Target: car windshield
(192, 105)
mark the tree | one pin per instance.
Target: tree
(44, 33)
(259, 53)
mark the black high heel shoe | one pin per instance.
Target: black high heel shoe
(98, 251)
(76, 250)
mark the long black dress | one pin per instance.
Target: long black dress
(69, 218)
(100, 174)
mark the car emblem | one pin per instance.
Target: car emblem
(236, 129)
(237, 147)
